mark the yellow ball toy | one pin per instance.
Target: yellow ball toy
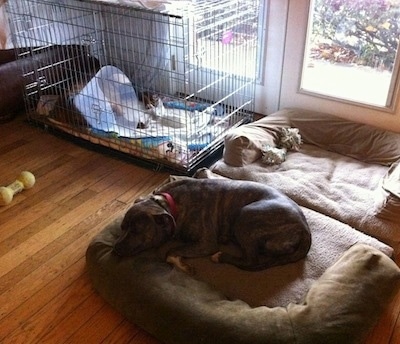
(25, 181)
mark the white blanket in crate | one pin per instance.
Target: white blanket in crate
(109, 103)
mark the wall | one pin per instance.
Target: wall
(268, 92)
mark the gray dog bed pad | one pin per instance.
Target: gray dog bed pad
(339, 306)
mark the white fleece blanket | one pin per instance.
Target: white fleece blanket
(338, 186)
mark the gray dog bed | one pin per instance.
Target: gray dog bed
(339, 305)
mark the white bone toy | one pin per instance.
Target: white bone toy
(25, 181)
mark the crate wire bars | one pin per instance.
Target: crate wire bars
(164, 85)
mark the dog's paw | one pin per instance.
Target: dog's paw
(215, 257)
(181, 265)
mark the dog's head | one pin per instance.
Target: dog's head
(145, 225)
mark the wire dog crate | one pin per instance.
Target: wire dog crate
(162, 84)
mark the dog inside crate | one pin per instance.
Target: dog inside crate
(144, 88)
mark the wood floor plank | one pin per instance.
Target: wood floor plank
(386, 325)
(389, 325)
(97, 328)
(9, 148)
(26, 232)
(17, 213)
(45, 187)
(63, 328)
(395, 336)
(49, 165)
(24, 215)
(11, 131)
(32, 329)
(56, 275)
(13, 314)
(56, 246)
(52, 260)
(144, 338)
(145, 187)
(26, 157)
(122, 334)
(137, 176)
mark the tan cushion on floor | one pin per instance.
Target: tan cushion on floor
(360, 141)
(176, 308)
(347, 299)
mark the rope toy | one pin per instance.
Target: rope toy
(24, 181)
(288, 139)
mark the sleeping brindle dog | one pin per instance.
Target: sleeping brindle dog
(268, 227)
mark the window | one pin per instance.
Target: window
(351, 50)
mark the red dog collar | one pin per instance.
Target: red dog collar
(171, 204)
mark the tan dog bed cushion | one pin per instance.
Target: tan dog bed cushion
(340, 306)
(359, 141)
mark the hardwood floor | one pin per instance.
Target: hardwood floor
(45, 293)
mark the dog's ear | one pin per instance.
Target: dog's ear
(140, 199)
